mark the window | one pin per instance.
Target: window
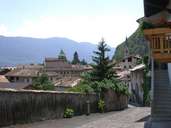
(164, 66)
(51, 78)
(17, 78)
(12, 79)
(129, 59)
(27, 80)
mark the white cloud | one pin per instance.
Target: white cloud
(80, 28)
(3, 29)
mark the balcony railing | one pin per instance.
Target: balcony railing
(160, 43)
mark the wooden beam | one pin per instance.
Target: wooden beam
(165, 57)
(157, 31)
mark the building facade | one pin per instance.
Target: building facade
(129, 62)
(59, 71)
(136, 87)
(157, 30)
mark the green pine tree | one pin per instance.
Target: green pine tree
(76, 59)
(102, 69)
(62, 56)
(83, 62)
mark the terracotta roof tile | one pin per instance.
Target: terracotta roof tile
(3, 79)
(23, 72)
(16, 86)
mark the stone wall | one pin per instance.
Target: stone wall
(113, 101)
(29, 106)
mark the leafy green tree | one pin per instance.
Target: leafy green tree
(102, 77)
(103, 67)
(76, 59)
(83, 87)
(43, 83)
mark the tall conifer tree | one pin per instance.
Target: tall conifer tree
(102, 69)
(76, 59)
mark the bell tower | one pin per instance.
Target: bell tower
(126, 50)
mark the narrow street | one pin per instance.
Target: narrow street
(133, 117)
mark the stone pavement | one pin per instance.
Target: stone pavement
(133, 117)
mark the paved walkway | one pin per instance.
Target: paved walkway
(133, 117)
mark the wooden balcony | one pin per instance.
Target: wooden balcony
(160, 43)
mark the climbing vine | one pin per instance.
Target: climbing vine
(146, 85)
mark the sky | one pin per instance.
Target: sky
(79, 20)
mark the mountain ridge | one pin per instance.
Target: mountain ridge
(24, 50)
(136, 44)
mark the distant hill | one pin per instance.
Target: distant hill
(137, 44)
(23, 50)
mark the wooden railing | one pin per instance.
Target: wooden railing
(161, 47)
(160, 43)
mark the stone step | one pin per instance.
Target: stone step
(163, 101)
(165, 106)
(163, 87)
(166, 99)
(160, 106)
(161, 71)
(157, 118)
(166, 91)
(165, 78)
(162, 91)
(161, 113)
(163, 98)
(161, 76)
(165, 82)
(161, 80)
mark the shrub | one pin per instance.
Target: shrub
(68, 113)
(82, 88)
(113, 84)
(120, 88)
(43, 83)
(147, 101)
(101, 105)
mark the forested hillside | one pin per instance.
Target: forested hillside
(137, 44)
